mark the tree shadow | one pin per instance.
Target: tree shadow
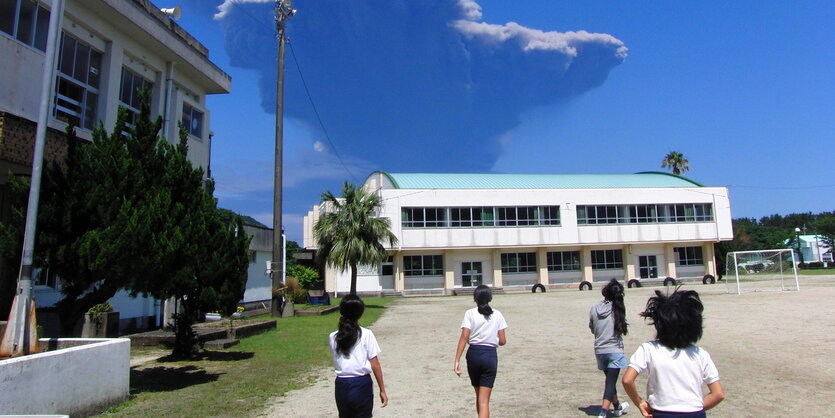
(208, 355)
(164, 379)
(591, 410)
(375, 306)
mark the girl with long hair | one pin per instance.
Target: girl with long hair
(676, 368)
(607, 321)
(483, 329)
(355, 350)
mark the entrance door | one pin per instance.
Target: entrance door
(471, 273)
(647, 267)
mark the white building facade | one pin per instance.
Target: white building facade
(457, 231)
(107, 50)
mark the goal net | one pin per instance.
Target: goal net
(764, 270)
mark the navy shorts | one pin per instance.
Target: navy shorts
(663, 414)
(354, 396)
(482, 363)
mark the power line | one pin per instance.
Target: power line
(307, 92)
(316, 112)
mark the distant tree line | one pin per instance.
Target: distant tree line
(776, 231)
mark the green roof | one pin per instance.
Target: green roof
(535, 181)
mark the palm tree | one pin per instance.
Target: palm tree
(676, 162)
(350, 233)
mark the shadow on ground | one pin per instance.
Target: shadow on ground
(208, 355)
(163, 379)
(591, 410)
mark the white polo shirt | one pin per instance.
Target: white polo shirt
(357, 363)
(675, 376)
(484, 331)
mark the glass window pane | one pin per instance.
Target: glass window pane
(41, 28)
(26, 21)
(82, 62)
(95, 69)
(66, 62)
(8, 11)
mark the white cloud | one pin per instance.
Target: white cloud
(470, 9)
(318, 146)
(226, 7)
(527, 38)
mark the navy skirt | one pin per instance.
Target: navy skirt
(354, 396)
(664, 414)
(482, 363)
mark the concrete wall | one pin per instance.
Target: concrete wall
(79, 380)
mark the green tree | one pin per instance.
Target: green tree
(351, 233)
(676, 163)
(129, 212)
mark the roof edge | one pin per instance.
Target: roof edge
(388, 176)
(673, 175)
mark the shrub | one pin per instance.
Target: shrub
(295, 292)
(307, 277)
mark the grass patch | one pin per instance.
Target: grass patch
(238, 381)
(816, 272)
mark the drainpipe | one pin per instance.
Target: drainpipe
(169, 89)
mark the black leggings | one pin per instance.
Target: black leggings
(610, 390)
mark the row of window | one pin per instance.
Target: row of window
(79, 71)
(25, 20)
(653, 213)
(482, 216)
(488, 216)
(433, 265)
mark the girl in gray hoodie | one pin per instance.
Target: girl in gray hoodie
(607, 321)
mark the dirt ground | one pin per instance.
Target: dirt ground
(774, 352)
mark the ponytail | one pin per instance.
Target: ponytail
(482, 297)
(613, 292)
(351, 309)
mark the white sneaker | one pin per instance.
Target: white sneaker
(620, 410)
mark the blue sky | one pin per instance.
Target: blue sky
(744, 89)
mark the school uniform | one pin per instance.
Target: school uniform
(482, 360)
(675, 377)
(354, 390)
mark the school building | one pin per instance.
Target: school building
(457, 231)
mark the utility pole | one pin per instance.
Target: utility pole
(282, 12)
(20, 332)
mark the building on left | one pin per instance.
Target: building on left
(107, 50)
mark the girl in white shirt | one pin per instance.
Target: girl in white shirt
(354, 350)
(483, 329)
(676, 368)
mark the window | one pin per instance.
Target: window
(44, 277)
(518, 262)
(550, 215)
(563, 260)
(77, 85)
(424, 217)
(475, 217)
(387, 267)
(132, 84)
(25, 20)
(689, 256)
(423, 265)
(252, 256)
(630, 214)
(192, 120)
(606, 259)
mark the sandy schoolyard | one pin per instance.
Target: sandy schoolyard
(775, 352)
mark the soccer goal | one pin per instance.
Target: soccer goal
(764, 270)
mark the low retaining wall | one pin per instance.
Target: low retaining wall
(77, 376)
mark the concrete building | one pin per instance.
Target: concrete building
(107, 49)
(516, 230)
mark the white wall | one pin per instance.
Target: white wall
(258, 285)
(78, 380)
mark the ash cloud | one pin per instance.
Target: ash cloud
(414, 85)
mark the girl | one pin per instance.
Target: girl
(676, 367)
(607, 321)
(355, 351)
(483, 328)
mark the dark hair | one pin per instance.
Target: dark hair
(350, 309)
(613, 292)
(677, 318)
(482, 297)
